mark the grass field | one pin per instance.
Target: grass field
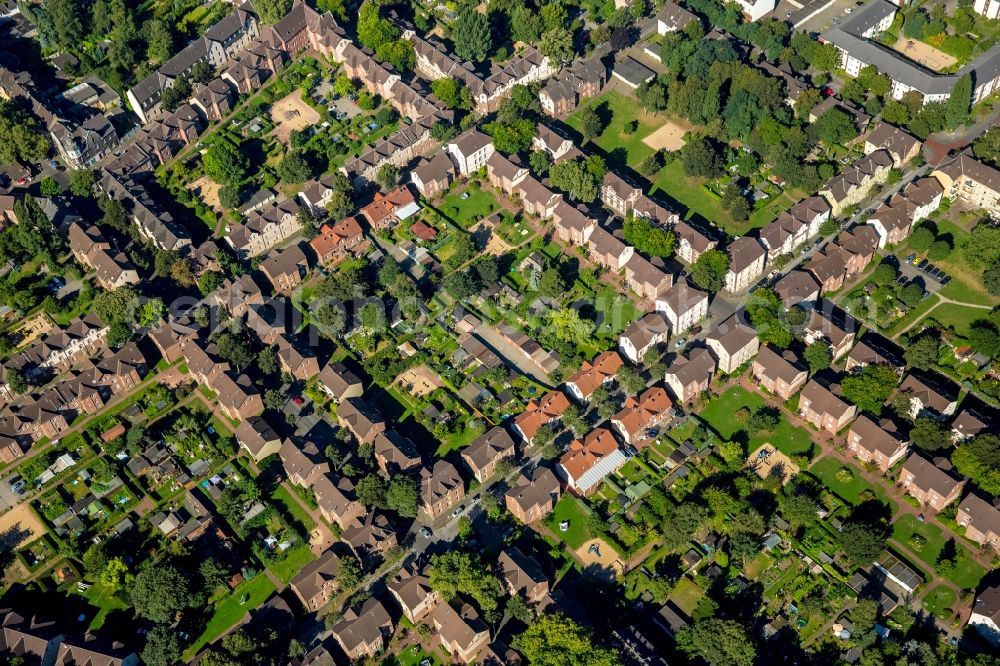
(230, 610)
(913, 315)
(464, 212)
(298, 556)
(686, 595)
(293, 508)
(850, 491)
(957, 317)
(939, 601)
(689, 192)
(966, 573)
(720, 413)
(623, 149)
(570, 509)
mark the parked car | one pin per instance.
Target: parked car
(425, 533)
(910, 257)
(920, 264)
(901, 280)
(946, 279)
(927, 268)
(458, 511)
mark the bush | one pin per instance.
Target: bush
(845, 475)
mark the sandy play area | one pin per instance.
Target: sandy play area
(670, 136)
(207, 190)
(290, 113)
(419, 381)
(597, 551)
(27, 524)
(925, 54)
(766, 458)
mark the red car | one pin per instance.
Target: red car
(298, 400)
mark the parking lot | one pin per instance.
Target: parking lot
(923, 277)
(824, 19)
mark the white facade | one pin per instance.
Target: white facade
(988, 8)
(756, 9)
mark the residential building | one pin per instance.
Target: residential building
(689, 375)
(361, 418)
(894, 219)
(878, 443)
(395, 453)
(987, 8)
(581, 80)
(592, 375)
(754, 10)
(966, 179)
(646, 279)
(335, 242)
(981, 520)
(831, 324)
(486, 451)
(747, 257)
(370, 537)
(644, 334)
(523, 575)
(691, 242)
(363, 632)
(733, 343)
(536, 414)
(933, 396)
(470, 151)
(901, 145)
(257, 437)
(387, 210)
(683, 305)
(608, 251)
(929, 484)
(629, 71)
(412, 589)
(985, 616)
(265, 228)
(874, 349)
(590, 460)
(533, 495)
(286, 268)
(337, 501)
(969, 423)
(441, 489)
(340, 383)
(648, 410)
(317, 581)
(90, 248)
(672, 18)
(432, 177)
(461, 633)
(780, 373)
(823, 409)
(852, 185)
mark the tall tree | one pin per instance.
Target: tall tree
(719, 642)
(555, 640)
(471, 35)
(373, 29)
(21, 135)
(959, 103)
(66, 20)
(709, 271)
(271, 11)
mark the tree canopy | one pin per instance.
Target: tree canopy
(555, 640)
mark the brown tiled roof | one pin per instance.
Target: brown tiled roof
(682, 297)
(534, 490)
(823, 401)
(743, 252)
(583, 455)
(927, 476)
(936, 393)
(882, 436)
(439, 481)
(796, 287)
(783, 366)
(985, 516)
(697, 366)
(488, 447)
(892, 139)
(639, 413)
(733, 335)
(641, 331)
(592, 375)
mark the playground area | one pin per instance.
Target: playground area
(597, 551)
(419, 381)
(767, 461)
(670, 136)
(925, 54)
(19, 526)
(291, 113)
(207, 190)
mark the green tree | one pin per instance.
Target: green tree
(271, 11)
(979, 459)
(834, 127)
(921, 238)
(540, 162)
(373, 30)
(630, 381)
(336, 7)
(719, 642)
(649, 238)
(557, 43)
(122, 304)
(983, 336)
(267, 361)
(524, 24)
(294, 168)
(81, 182)
(159, 41)
(863, 542)
(65, 23)
(572, 176)
(371, 491)
(235, 349)
(959, 103)
(16, 381)
(403, 496)
(987, 146)
(452, 92)
(709, 271)
(459, 571)
(387, 176)
(343, 86)
(818, 355)
(555, 640)
(929, 435)
(567, 324)
(349, 573)
(229, 197)
(22, 138)
(471, 35)
(551, 282)
(160, 591)
(766, 312)
(225, 163)
(922, 352)
(700, 158)
(162, 648)
(50, 187)
(939, 250)
(885, 274)
(991, 279)
(592, 125)
(399, 54)
(512, 136)
(870, 388)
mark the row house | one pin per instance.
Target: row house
(90, 248)
(397, 149)
(523, 575)
(395, 453)
(218, 45)
(985, 615)
(337, 500)
(829, 268)
(932, 486)
(295, 360)
(265, 228)
(316, 194)
(644, 334)
(213, 100)
(470, 151)
(411, 587)
(335, 242)
(164, 139)
(794, 227)
(237, 296)
(591, 375)
(857, 181)
(673, 18)
(970, 422)
(894, 220)
(779, 373)
(155, 224)
(981, 520)
(317, 582)
(648, 410)
(901, 145)
(858, 246)
(571, 225)
(503, 173)
(487, 451)
(339, 383)
(361, 419)
(590, 460)
(691, 242)
(61, 349)
(747, 257)
(683, 305)
(236, 395)
(690, 375)
(537, 413)
(370, 537)
(877, 443)
(562, 94)
(966, 179)
(618, 195)
(533, 495)
(83, 144)
(733, 343)
(461, 633)
(363, 632)
(874, 349)
(557, 146)
(441, 489)
(536, 199)
(823, 409)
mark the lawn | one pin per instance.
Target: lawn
(690, 193)
(293, 508)
(414, 656)
(297, 557)
(913, 315)
(457, 441)
(686, 595)
(464, 212)
(720, 414)
(634, 472)
(966, 573)
(939, 601)
(851, 492)
(570, 509)
(966, 284)
(757, 566)
(957, 317)
(622, 149)
(98, 596)
(229, 611)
